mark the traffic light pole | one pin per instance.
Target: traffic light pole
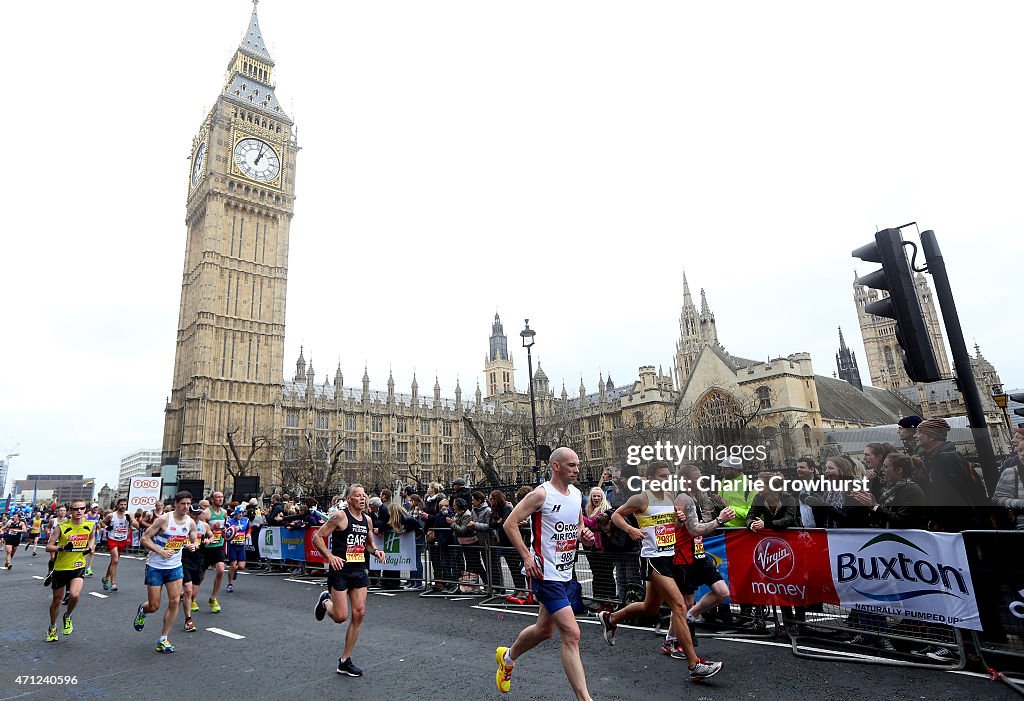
(961, 359)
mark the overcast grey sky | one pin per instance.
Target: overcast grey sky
(562, 161)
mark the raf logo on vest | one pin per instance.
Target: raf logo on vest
(555, 508)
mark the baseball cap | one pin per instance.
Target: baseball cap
(733, 462)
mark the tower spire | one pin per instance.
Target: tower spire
(687, 298)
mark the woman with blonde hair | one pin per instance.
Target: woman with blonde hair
(838, 508)
(601, 564)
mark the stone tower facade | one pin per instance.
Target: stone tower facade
(846, 362)
(879, 334)
(499, 370)
(696, 330)
(229, 357)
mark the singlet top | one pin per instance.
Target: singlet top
(555, 531)
(78, 536)
(658, 522)
(15, 527)
(689, 548)
(350, 544)
(195, 558)
(174, 537)
(37, 524)
(120, 526)
(217, 522)
(241, 527)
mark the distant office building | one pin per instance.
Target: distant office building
(58, 488)
(3, 478)
(137, 464)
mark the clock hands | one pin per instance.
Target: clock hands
(258, 157)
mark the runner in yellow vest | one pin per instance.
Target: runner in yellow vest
(70, 541)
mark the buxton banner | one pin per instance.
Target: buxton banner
(787, 568)
(915, 575)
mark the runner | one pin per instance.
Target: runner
(691, 567)
(69, 542)
(193, 567)
(351, 534)
(119, 524)
(213, 552)
(555, 510)
(656, 515)
(238, 536)
(14, 530)
(59, 518)
(165, 539)
(34, 531)
(93, 515)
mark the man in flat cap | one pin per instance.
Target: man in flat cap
(953, 491)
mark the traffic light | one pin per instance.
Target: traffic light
(902, 305)
(1019, 398)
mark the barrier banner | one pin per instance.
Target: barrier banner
(270, 542)
(998, 573)
(252, 545)
(293, 544)
(143, 493)
(399, 553)
(782, 568)
(915, 575)
(312, 554)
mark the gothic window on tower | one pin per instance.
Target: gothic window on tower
(377, 424)
(350, 449)
(889, 362)
(446, 429)
(322, 421)
(377, 450)
(594, 424)
(425, 427)
(402, 451)
(425, 454)
(807, 436)
(323, 446)
(448, 455)
(291, 447)
(350, 423)
(291, 418)
(764, 396)
(402, 425)
(638, 419)
(596, 449)
(617, 421)
(470, 455)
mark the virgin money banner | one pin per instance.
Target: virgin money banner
(779, 568)
(270, 542)
(915, 575)
(143, 493)
(312, 554)
(399, 553)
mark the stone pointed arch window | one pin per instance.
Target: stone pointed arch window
(807, 436)
(764, 396)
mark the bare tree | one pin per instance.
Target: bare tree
(315, 470)
(486, 461)
(239, 452)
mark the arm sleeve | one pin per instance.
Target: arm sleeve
(1003, 494)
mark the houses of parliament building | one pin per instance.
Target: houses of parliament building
(232, 411)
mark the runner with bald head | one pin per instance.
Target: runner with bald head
(556, 520)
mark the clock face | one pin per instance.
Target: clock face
(257, 159)
(198, 161)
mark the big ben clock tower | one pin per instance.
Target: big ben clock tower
(229, 358)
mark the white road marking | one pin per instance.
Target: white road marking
(299, 581)
(97, 595)
(226, 633)
(36, 576)
(383, 593)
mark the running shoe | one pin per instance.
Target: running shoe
(230, 589)
(140, 618)
(214, 605)
(607, 626)
(67, 596)
(321, 609)
(704, 669)
(942, 654)
(68, 627)
(673, 650)
(164, 646)
(106, 584)
(195, 606)
(503, 677)
(113, 588)
(10, 565)
(51, 634)
(190, 625)
(48, 578)
(34, 553)
(346, 667)
(88, 572)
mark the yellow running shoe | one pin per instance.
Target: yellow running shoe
(195, 606)
(503, 677)
(68, 628)
(214, 605)
(51, 634)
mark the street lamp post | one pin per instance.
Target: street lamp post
(1002, 399)
(527, 335)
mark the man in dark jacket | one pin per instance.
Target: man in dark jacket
(952, 489)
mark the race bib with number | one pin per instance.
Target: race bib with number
(176, 542)
(698, 547)
(355, 553)
(665, 536)
(79, 542)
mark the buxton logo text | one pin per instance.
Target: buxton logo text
(899, 568)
